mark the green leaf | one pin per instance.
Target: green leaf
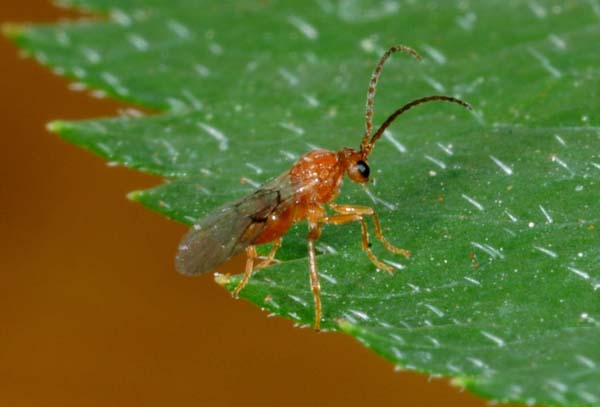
(499, 209)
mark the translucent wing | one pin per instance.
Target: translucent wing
(231, 228)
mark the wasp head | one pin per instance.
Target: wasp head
(355, 164)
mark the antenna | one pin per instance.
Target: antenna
(367, 147)
(373, 86)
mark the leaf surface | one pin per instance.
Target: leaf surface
(499, 208)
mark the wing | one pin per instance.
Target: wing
(231, 228)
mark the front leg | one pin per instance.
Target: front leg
(367, 211)
(366, 245)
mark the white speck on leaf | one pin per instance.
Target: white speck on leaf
(138, 42)
(579, 273)
(545, 62)
(560, 139)
(91, 55)
(395, 265)
(434, 309)
(311, 100)
(368, 45)
(216, 134)
(194, 101)
(435, 54)
(325, 248)
(327, 277)
(546, 215)
(79, 72)
(178, 28)
(434, 341)
(467, 22)
(399, 146)
(437, 86)
(292, 127)
(446, 149)
(504, 167)
(497, 340)
(538, 10)
(62, 38)
(561, 163)
(376, 200)
(477, 362)
(114, 82)
(298, 300)
(255, 168)
(215, 48)
(120, 17)
(176, 105)
(546, 251)
(77, 86)
(105, 148)
(561, 387)
(472, 280)
(512, 217)
(202, 70)
(558, 41)
(250, 181)
(304, 27)
(289, 155)
(291, 79)
(360, 314)
(437, 162)
(585, 361)
(491, 251)
(98, 94)
(294, 315)
(473, 202)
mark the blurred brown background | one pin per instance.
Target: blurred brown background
(91, 309)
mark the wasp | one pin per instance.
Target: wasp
(301, 193)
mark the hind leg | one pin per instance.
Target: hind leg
(271, 256)
(314, 232)
(251, 256)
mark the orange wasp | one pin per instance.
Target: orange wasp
(300, 193)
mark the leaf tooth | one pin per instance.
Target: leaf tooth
(57, 126)
(135, 196)
(12, 30)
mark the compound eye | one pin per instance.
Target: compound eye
(363, 169)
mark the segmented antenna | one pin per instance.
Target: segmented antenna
(369, 145)
(373, 85)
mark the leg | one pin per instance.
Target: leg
(250, 267)
(313, 234)
(366, 211)
(251, 253)
(366, 246)
(271, 256)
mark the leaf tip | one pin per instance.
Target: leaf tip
(134, 196)
(56, 126)
(461, 381)
(345, 326)
(222, 279)
(226, 281)
(12, 30)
